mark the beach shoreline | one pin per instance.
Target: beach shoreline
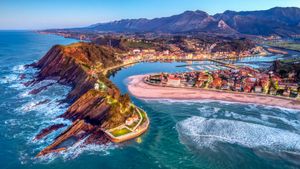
(138, 88)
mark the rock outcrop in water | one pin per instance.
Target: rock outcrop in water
(81, 65)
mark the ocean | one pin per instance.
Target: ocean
(202, 134)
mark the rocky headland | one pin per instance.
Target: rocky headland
(92, 110)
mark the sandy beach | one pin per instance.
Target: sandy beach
(141, 90)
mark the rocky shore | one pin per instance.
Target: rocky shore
(80, 65)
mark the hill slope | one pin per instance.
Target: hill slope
(81, 65)
(280, 21)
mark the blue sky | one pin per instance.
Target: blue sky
(42, 14)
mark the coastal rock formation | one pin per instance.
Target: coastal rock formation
(74, 65)
(48, 130)
(81, 65)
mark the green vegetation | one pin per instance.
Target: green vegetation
(143, 116)
(285, 44)
(290, 60)
(286, 67)
(133, 125)
(120, 132)
(141, 45)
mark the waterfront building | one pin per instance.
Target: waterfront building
(134, 118)
(238, 87)
(173, 81)
(257, 89)
(136, 51)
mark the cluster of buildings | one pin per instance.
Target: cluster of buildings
(137, 55)
(243, 79)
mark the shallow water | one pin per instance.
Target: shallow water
(242, 136)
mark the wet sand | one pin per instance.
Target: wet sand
(139, 89)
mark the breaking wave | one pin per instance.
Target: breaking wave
(75, 150)
(190, 102)
(201, 133)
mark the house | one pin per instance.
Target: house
(155, 78)
(250, 80)
(293, 89)
(238, 87)
(203, 77)
(225, 85)
(136, 51)
(217, 83)
(96, 86)
(173, 81)
(291, 76)
(166, 52)
(282, 86)
(200, 83)
(257, 89)
(286, 93)
(134, 118)
(265, 83)
(273, 91)
(247, 88)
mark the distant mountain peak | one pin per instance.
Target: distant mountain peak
(222, 24)
(277, 20)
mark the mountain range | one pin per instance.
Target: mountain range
(275, 21)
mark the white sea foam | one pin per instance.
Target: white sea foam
(78, 148)
(44, 83)
(8, 79)
(12, 122)
(19, 68)
(49, 109)
(200, 132)
(290, 122)
(247, 118)
(188, 102)
(18, 86)
(23, 157)
(24, 94)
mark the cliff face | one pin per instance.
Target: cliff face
(74, 65)
(81, 65)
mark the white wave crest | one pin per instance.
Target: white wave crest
(9, 79)
(190, 102)
(19, 68)
(75, 150)
(205, 133)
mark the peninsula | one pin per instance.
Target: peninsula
(98, 110)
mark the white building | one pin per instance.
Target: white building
(173, 81)
(136, 51)
(97, 86)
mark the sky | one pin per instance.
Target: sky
(44, 14)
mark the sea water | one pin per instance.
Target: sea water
(183, 134)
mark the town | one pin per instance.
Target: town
(243, 79)
(137, 55)
(152, 46)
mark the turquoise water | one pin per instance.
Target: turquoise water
(204, 134)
